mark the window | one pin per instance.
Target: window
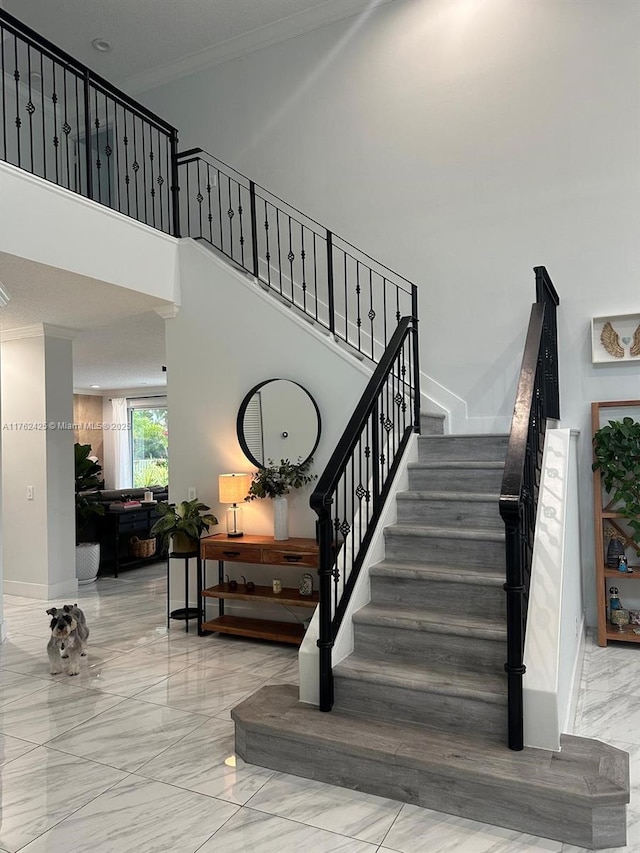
(149, 443)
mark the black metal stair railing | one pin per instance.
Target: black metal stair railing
(64, 123)
(354, 297)
(537, 401)
(351, 492)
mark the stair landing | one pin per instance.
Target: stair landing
(577, 796)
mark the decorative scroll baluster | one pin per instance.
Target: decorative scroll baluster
(152, 189)
(230, 215)
(372, 314)
(108, 151)
(18, 121)
(220, 208)
(358, 310)
(279, 253)
(268, 253)
(30, 107)
(127, 177)
(209, 214)
(199, 198)
(240, 212)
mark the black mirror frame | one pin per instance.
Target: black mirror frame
(243, 408)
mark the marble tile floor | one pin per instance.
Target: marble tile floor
(136, 754)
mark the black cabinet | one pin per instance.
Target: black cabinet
(117, 529)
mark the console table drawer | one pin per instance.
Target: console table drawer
(235, 553)
(283, 557)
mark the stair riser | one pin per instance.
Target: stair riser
(438, 596)
(431, 425)
(486, 481)
(463, 653)
(477, 448)
(450, 513)
(444, 550)
(515, 808)
(449, 713)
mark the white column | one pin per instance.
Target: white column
(38, 480)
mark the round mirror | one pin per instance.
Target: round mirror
(278, 419)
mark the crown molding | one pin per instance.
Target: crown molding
(38, 330)
(294, 25)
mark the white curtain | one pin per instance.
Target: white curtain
(121, 444)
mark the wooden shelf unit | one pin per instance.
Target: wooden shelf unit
(603, 513)
(265, 551)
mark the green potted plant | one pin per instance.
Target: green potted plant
(88, 479)
(616, 450)
(275, 481)
(183, 523)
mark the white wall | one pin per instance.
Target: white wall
(227, 336)
(462, 143)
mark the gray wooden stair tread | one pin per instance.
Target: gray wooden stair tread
(424, 494)
(450, 574)
(462, 465)
(488, 688)
(474, 533)
(418, 619)
(584, 772)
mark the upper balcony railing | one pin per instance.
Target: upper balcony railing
(64, 123)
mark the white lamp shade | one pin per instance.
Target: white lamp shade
(233, 488)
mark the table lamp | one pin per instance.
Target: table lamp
(232, 489)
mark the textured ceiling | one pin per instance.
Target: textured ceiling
(150, 35)
(120, 339)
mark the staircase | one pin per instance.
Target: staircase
(420, 706)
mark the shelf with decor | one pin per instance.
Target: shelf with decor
(263, 551)
(616, 490)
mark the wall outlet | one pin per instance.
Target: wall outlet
(191, 493)
(29, 493)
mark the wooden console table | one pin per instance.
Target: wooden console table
(263, 550)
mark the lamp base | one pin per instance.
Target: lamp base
(234, 535)
(234, 521)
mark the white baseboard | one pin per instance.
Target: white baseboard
(41, 591)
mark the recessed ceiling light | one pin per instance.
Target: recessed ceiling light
(102, 45)
(94, 386)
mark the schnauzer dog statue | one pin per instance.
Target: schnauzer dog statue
(69, 635)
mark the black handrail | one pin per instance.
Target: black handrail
(67, 124)
(356, 298)
(537, 401)
(353, 487)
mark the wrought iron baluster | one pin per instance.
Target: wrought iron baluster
(160, 181)
(254, 227)
(135, 165)
(66, 127)
(279, 254)
(108, 151)
(18, 120)
(5, 153)
(76, 159)
(220, 210)
(188, 200)
(372, 313)
(315, 274)
(199, 196)
(230, 215)
(266, 231)
(89, 143)
(346, 298)
(291, 257)
(209, 214)
(240, 212)
(145, 191)
(117, 155)
(303, 257)
(358, 309)
(127, 178)
(152, 187)
(30, 107)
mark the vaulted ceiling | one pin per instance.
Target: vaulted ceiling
(151, 42)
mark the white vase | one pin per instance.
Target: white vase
(280, 517)
(87, 562)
